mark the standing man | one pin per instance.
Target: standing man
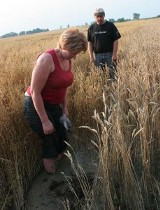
(103, 42)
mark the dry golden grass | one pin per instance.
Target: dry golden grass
(126, 121)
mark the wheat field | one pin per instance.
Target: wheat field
(123, 116)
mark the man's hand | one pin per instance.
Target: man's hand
(91, 60)
(114, 58)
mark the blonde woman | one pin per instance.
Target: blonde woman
(46, 97)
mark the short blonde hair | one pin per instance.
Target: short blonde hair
(73, 40)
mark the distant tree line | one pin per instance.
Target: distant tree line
(119, 20)
(136, 16)
(38, 30)
(12, 34)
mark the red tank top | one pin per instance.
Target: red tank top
(57, 82)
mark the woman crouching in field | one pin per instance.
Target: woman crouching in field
(46, 98)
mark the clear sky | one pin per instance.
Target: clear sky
(24, 15)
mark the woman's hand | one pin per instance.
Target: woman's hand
(48, 127)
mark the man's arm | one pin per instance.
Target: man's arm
(90, 52)
(115, 49)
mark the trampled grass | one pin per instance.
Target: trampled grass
(126, 120)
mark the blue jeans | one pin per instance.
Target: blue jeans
(103, 59)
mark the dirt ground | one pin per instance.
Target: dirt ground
(48, 192)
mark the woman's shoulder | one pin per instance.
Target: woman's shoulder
(44, 57)
(45, 61)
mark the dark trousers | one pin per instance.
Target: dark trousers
(103, 59)
(52, 144)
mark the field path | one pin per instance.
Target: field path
(49, 191)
